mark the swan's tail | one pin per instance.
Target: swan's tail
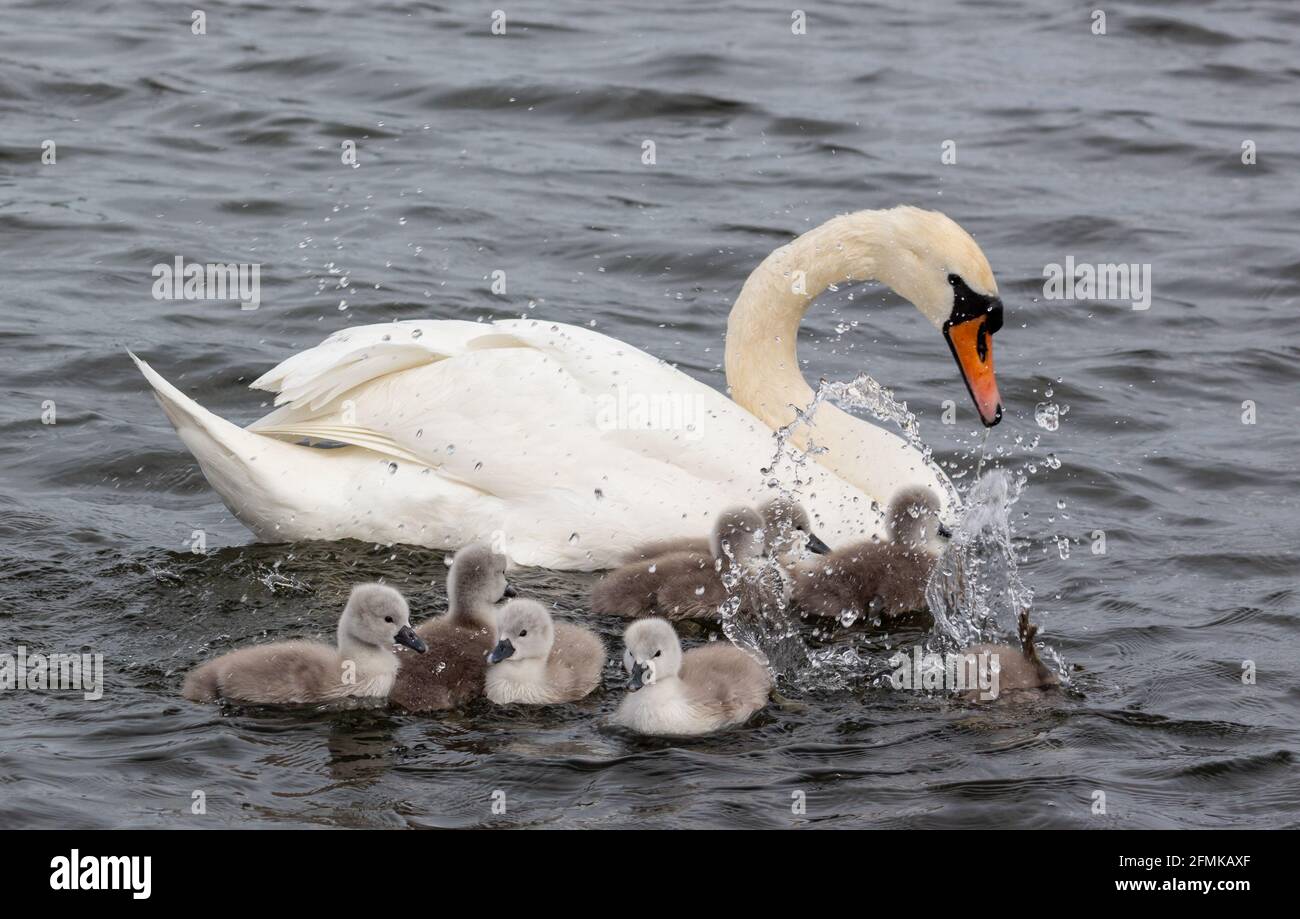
(240, 465)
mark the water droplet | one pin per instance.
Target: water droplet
(1048, 415)
(392, 468)
(573, 539)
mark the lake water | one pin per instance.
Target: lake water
(523, 153)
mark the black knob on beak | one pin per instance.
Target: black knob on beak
(635, 681)
(503, 650)
(406, 636)
(816, 545)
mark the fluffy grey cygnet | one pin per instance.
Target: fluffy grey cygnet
(1020, 670)
(691, 585)
(364, 664)
(675, 694)
(785, 518)
(538, 661)
(450, 674)
(883, 579)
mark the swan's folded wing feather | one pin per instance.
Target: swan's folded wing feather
(543, 385)
(351, 357)
(541, 416)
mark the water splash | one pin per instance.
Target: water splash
(975, 593)
(756, 615)
(864, 393)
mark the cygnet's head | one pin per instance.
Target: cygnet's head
(738, 535)
(477, 580)
(914, 519)
(524, 632)
(789, 529)
(377, 615)
(652, 652)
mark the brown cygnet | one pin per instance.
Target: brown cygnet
(450, 674)
(884, 579)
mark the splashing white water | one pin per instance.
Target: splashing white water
(975, 593)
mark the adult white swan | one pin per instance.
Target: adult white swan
(567, 447)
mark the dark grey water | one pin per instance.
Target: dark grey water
(523, 153)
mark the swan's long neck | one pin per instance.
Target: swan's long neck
(762, 332)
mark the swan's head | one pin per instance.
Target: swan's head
(525, 632)
(914, 519)
(652, 652)
(378, 616)
(738, 534)
(789, 529)
(927, 258)
(477, 581)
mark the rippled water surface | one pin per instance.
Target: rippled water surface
(523, 153)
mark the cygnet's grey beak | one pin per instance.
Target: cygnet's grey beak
(639, 671)
(406, 636)
(510, 592)
(945, 532)
(503, 650)
(816, 545)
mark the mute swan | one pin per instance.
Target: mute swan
(704, 690)
(1019, 669)
(538, 661)
(786, 518)
(451, 673)
(302, 672)
(573, 447)
(876, 578)
(692, 585)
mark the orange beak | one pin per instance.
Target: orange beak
(971, 341)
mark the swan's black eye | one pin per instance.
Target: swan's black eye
(523, 633)
(388, 619)
(657, 653)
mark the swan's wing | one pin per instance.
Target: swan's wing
(350, 357)
(629, 397)
(589, 444)
(549, 419)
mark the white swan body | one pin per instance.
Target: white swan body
(563, 446)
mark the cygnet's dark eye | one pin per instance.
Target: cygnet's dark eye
(523, 633)
(388, 618)
(660, 651)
